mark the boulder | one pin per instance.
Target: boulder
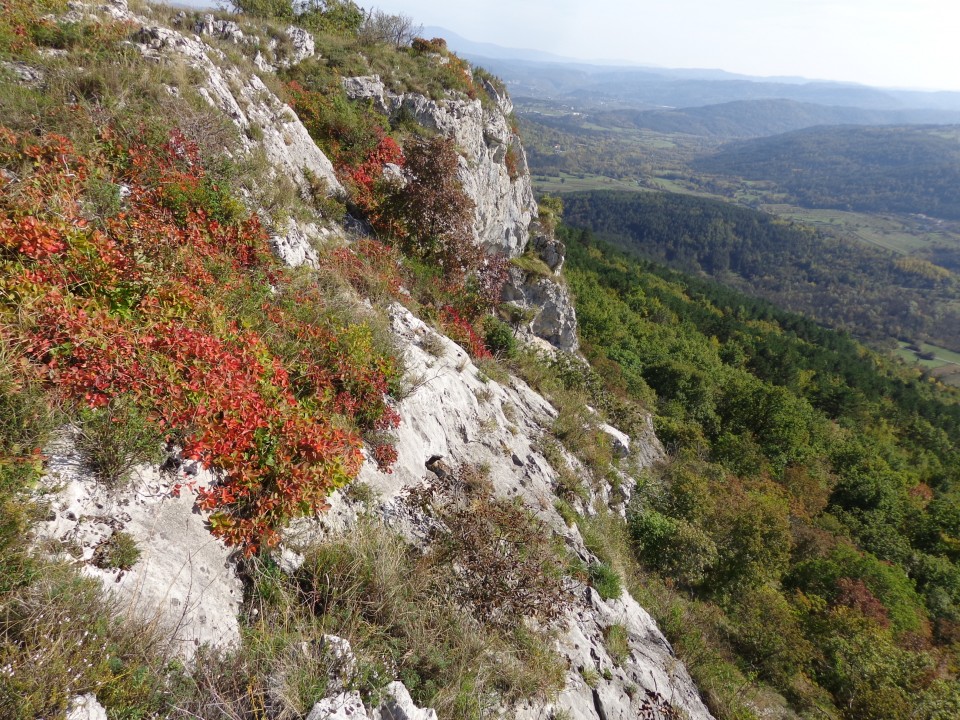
(555, 319)
(224, 29)
(620, 441)
(303, 46)
(345, 706)
(400, 706)
(86, 707)
(552, 251)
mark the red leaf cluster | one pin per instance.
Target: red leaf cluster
(141, 304)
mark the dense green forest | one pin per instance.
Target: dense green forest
(846, 284)
(876, 169)
(812, 511)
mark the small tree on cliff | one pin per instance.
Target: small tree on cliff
(437, 213)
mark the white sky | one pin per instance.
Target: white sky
(890, 43)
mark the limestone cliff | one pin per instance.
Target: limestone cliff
(505, 211)
(503, 196)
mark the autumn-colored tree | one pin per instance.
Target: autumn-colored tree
(437, 212)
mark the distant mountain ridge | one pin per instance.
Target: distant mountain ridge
(620, 84)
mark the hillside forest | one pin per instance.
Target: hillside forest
(810, 512)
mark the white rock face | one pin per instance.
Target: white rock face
(619, 440)
(225, 29)
(400, 706)
(646, 684)
(555, 319)
(303, 45)
(184, 577)
(264, 121)
(345, 706)
(504, 206)
(249, 103)
(455, 414)
(86, 707)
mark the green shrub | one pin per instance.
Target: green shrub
(617, 642)
(767, 632)
(63, 636)
(566, 512)
(512, 160)
(673, 546)
(605, 580)
(498, 337)
(551, 212)
(27, 418)
(276, 9)
(118, 552)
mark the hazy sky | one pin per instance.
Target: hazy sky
(893, 43)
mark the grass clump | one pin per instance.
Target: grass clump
(395, 607)
(114, 439)
(28, 416)
(605, 581)
(617, 642)
(532, 265)
(61, 636)
(118, 552)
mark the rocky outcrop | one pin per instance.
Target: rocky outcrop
(648, 683)
(344, 706)
(266, 123)
(548, 248)
(548, 300)
(455, 414)
(24, 73)
(500, 189)
(504, 206)
(300, 44)
(348, 705)
(400, 706)
(184, 578)
(86, 707)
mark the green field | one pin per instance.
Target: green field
(566, 182)
(899, 234)
(943, 364)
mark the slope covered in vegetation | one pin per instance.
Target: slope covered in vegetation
(142, 310)
(810, 511)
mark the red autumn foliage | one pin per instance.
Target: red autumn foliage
(855, 594)
(137, 304)
(462, 331)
